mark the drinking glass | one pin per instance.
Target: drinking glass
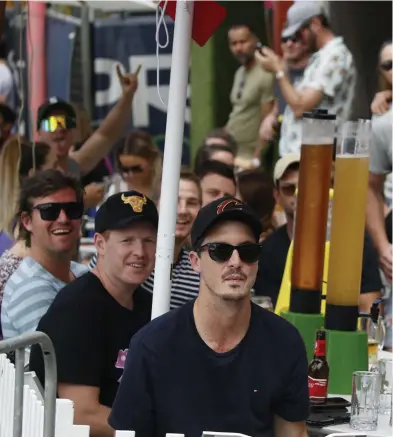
(366, 390)
(385, 367)
(376, 336)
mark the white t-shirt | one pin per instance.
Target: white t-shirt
(331, 70)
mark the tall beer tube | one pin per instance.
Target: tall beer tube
(348, 226)
(318, 133)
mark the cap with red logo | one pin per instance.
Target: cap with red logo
(225, 208)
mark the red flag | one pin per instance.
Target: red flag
(208, 15)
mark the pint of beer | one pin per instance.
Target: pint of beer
(348, 225)
(318, 133)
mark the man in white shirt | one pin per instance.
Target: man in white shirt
(329, 79)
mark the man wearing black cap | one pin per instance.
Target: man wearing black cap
(92, 320)
(219, 363)
(56, 122)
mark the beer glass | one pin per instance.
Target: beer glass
(375, 336)
(318, 133)
(366, 388)
(348, 223)
(385, 367)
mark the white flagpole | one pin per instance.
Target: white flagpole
(172, 156)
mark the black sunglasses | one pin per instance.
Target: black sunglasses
(131, 169)
(387, 65)
(51, 211)
(221, 252)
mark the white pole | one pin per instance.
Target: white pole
(172, 156)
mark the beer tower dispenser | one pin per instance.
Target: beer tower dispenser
(347, 348)
(318, 134)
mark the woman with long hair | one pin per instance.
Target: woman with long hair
(138, 166)
(18, 159)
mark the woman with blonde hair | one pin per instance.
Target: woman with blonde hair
(139, 166)
(18, 160)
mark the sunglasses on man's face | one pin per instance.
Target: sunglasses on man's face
(221, 252)
(131, 169)
(288, 189)
(55, 122)
(51, 211)
(387, 65)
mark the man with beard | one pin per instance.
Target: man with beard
(275, 248)
(219, 363)
(251, 95)
(296, 56)
(328, 81)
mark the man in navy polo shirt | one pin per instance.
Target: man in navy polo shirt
(219, 363)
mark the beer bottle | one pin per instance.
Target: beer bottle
(318, 371)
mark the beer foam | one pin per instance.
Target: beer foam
(311, 141)
(352, 156)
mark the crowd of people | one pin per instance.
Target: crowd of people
(213, 362)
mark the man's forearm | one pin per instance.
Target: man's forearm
(114, 123)
(97, 420)
(375, 219)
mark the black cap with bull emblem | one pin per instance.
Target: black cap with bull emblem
(225, 208)
(123, 209)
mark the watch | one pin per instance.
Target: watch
(280, 75)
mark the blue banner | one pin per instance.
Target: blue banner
(60, 36)
(131, 42)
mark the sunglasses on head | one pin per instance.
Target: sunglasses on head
(51, 211)
(387, 65)
(131, 169)
(221, 252)
(55, 122)
(288, 190)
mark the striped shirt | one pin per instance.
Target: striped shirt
(28, 295)
(185, 280)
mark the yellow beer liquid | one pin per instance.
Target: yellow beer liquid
(372, 351)
(347, 231)
(311, 216)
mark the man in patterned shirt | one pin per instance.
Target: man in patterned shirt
(329, 79)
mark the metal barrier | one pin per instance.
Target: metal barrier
(18, 344)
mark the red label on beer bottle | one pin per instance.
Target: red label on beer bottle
(320, 348)
(317, 388)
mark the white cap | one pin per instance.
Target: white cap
(298, 14)
(283, 163)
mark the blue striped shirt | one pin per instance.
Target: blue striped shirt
(28, 294)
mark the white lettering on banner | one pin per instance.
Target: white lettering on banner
(147, 94)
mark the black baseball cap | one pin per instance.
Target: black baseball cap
(225, 208)
(123, 209)
(55, 104)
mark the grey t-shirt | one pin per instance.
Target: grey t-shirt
(381, 144)
(73, 168)
(295, 74)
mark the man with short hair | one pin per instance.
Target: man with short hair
(50, 215)
(185, 281)
(92, 320)
(276, 246)
(217, 180)
(220, 363)
(328, 81)
(56, 122)
(251, 95)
